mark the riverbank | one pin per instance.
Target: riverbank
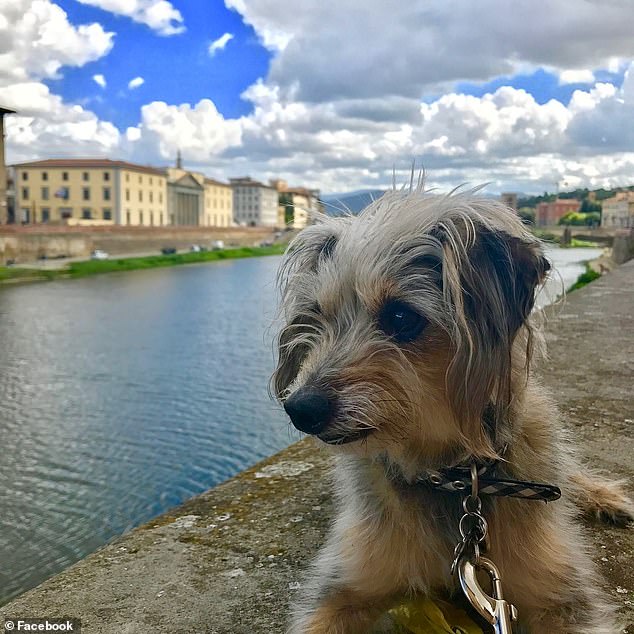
(9, 274)
(230, 560)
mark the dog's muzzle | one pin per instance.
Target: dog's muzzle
(309, 409)
(312, 411)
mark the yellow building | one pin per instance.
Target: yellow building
(90, 192)
(218, 204)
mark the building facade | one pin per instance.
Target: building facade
(549, 214)
(254, 204)
(218, 204)
(90, 192)
(106, 192)
(301, 201)
(618, 212)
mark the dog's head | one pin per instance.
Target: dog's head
(402, 325)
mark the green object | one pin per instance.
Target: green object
(424, 616)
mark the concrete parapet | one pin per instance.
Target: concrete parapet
(229, 560)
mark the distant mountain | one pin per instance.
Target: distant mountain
(349, 202)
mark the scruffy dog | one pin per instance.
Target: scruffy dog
(407, 346)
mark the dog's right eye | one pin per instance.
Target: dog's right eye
(401, 322)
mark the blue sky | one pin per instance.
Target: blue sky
(176, 69)
(328, 95)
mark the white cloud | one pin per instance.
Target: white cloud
(135, 83)
(579, 76)
(219, 44)
(369, 48)
(161, 16)
(37, 40)
(200, 132)
(100, 80)
(46, 126)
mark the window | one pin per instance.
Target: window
(127, 178)
(150, 180)
(140, 179)
(85, 193)
(107, 213)
(152, 218)
(25, 176)
(160, 198)
(140, 196)
(127, 195)
(25, 193)
(140, 217)
(86, 213)
(127, 217)
(171, 219)
(85, 176)
(106, 176)
(44, 176)
(151, 197)
(106, 193)
(46, 214)
(66, 212)
(161, 219)
(64, 176)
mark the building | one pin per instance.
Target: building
(4, 209)
(218, 204)
(302, 203)
(90, 192)
(510, 200)
(618, 212)
(107, 192)
(549, 214)
(254, 204)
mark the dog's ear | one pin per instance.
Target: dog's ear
(490, 279)
(300, 315)
(500, 281)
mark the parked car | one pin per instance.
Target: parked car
(216, 245)
(168, 250)
(266, 243)
(195, 248)
(98, 254)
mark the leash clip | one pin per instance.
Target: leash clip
(495, 609)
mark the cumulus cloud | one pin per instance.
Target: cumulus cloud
(373, 49)
(100, 80)
(200, 131)
(161, 16)
(46, 126)
(36, 40)
(136, 83)
(219, 44)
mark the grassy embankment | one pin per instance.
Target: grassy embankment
(96, 267)
(585, 278)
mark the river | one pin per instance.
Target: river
(123, 395)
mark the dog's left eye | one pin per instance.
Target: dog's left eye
(399, 321)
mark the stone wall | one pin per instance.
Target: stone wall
(27, 244)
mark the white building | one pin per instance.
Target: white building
(254, 204)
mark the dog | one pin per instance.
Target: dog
(406, 346)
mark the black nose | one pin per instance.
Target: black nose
(309, 408)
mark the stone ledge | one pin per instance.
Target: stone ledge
(228, 561)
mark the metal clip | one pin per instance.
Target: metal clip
(495, 609)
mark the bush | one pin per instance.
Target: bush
(578, 219)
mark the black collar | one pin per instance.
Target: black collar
(458, 480)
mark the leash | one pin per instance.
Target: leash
(467, 560)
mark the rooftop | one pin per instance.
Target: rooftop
(100, 163)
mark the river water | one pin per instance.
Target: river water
(123, 395)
